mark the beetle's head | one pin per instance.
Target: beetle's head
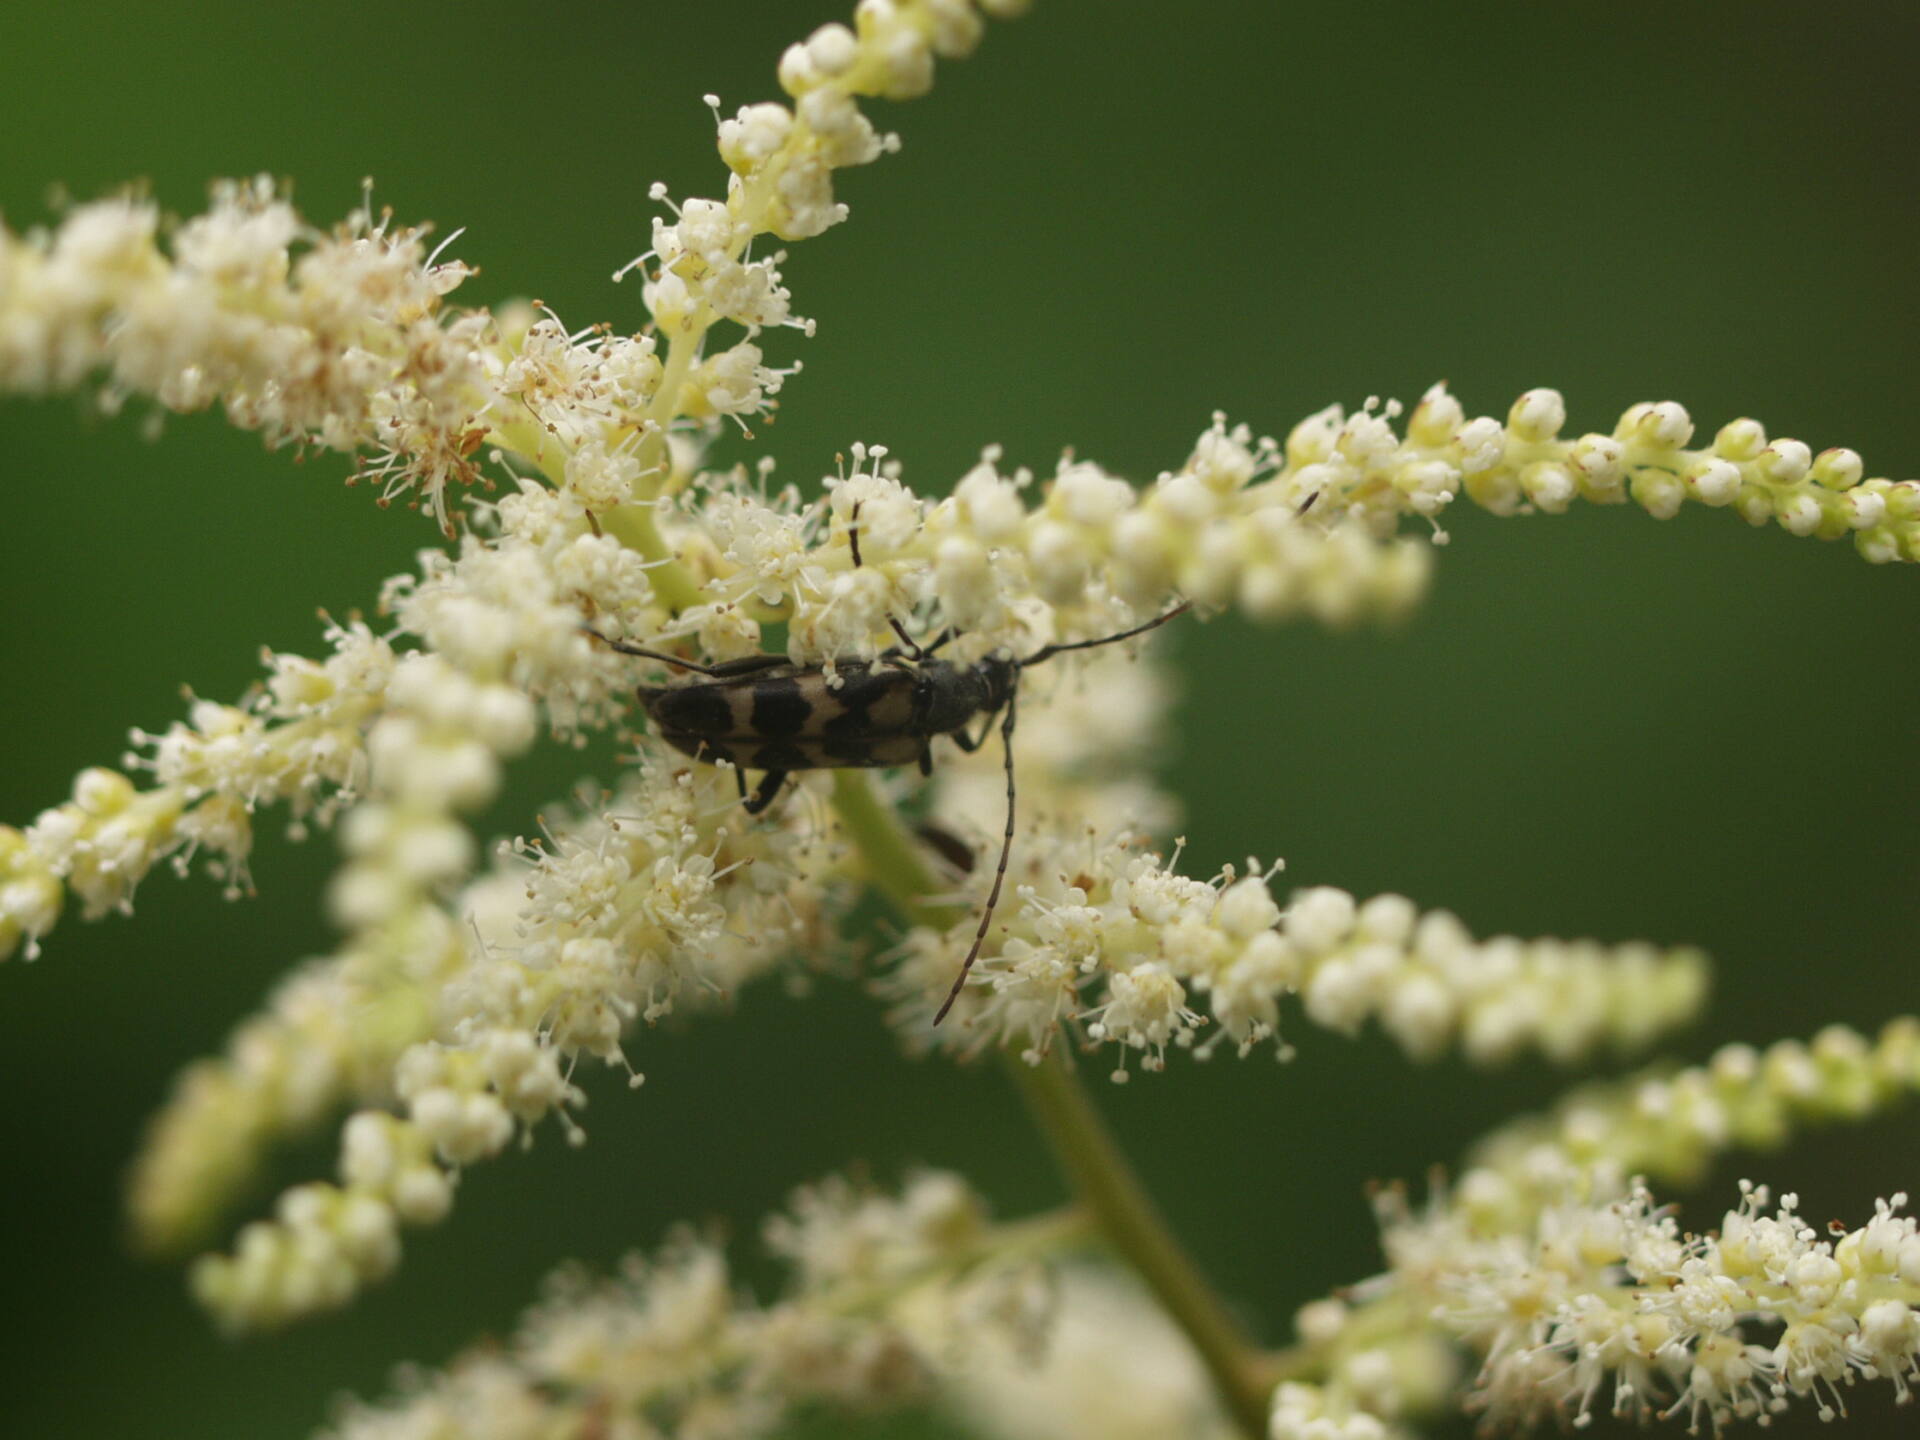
(1001, 673)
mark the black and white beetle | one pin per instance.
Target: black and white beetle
(763, 712)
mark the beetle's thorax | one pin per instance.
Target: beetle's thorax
(949, 696)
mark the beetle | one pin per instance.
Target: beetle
(767, 713)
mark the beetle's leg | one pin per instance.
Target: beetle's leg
(999, 875)
(907, 642)
(944, 637)
(926, 759)
(950, 847)
(740, 781)
(765, 794)
(971, 743)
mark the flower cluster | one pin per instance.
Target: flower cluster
(1603, 1294)
(335, 339)
(1526, 1256)
(488, 1004)
(342, 339)
(299, 741)
(1373, 1394)
(885, 1293)
(328, 1036)
(1524, 465)
(433, 753)
(1671, 1123)
(1108, 940)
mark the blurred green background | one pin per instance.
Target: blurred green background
(1114, 219)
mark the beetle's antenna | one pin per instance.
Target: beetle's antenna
(853, 533)
(1006, 849)
(907, 642)
(625, 649)
(1047, 652)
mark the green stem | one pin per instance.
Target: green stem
(893, 862)
(533, 445)
(1035, 1238)
(1083, 1147)
(633, 527)
(681, 351)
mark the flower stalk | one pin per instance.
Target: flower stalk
(1132, 1224)
(1103, 1181)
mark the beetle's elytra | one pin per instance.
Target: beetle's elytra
(764, 713)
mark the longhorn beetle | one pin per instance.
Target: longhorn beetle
(763, 712)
